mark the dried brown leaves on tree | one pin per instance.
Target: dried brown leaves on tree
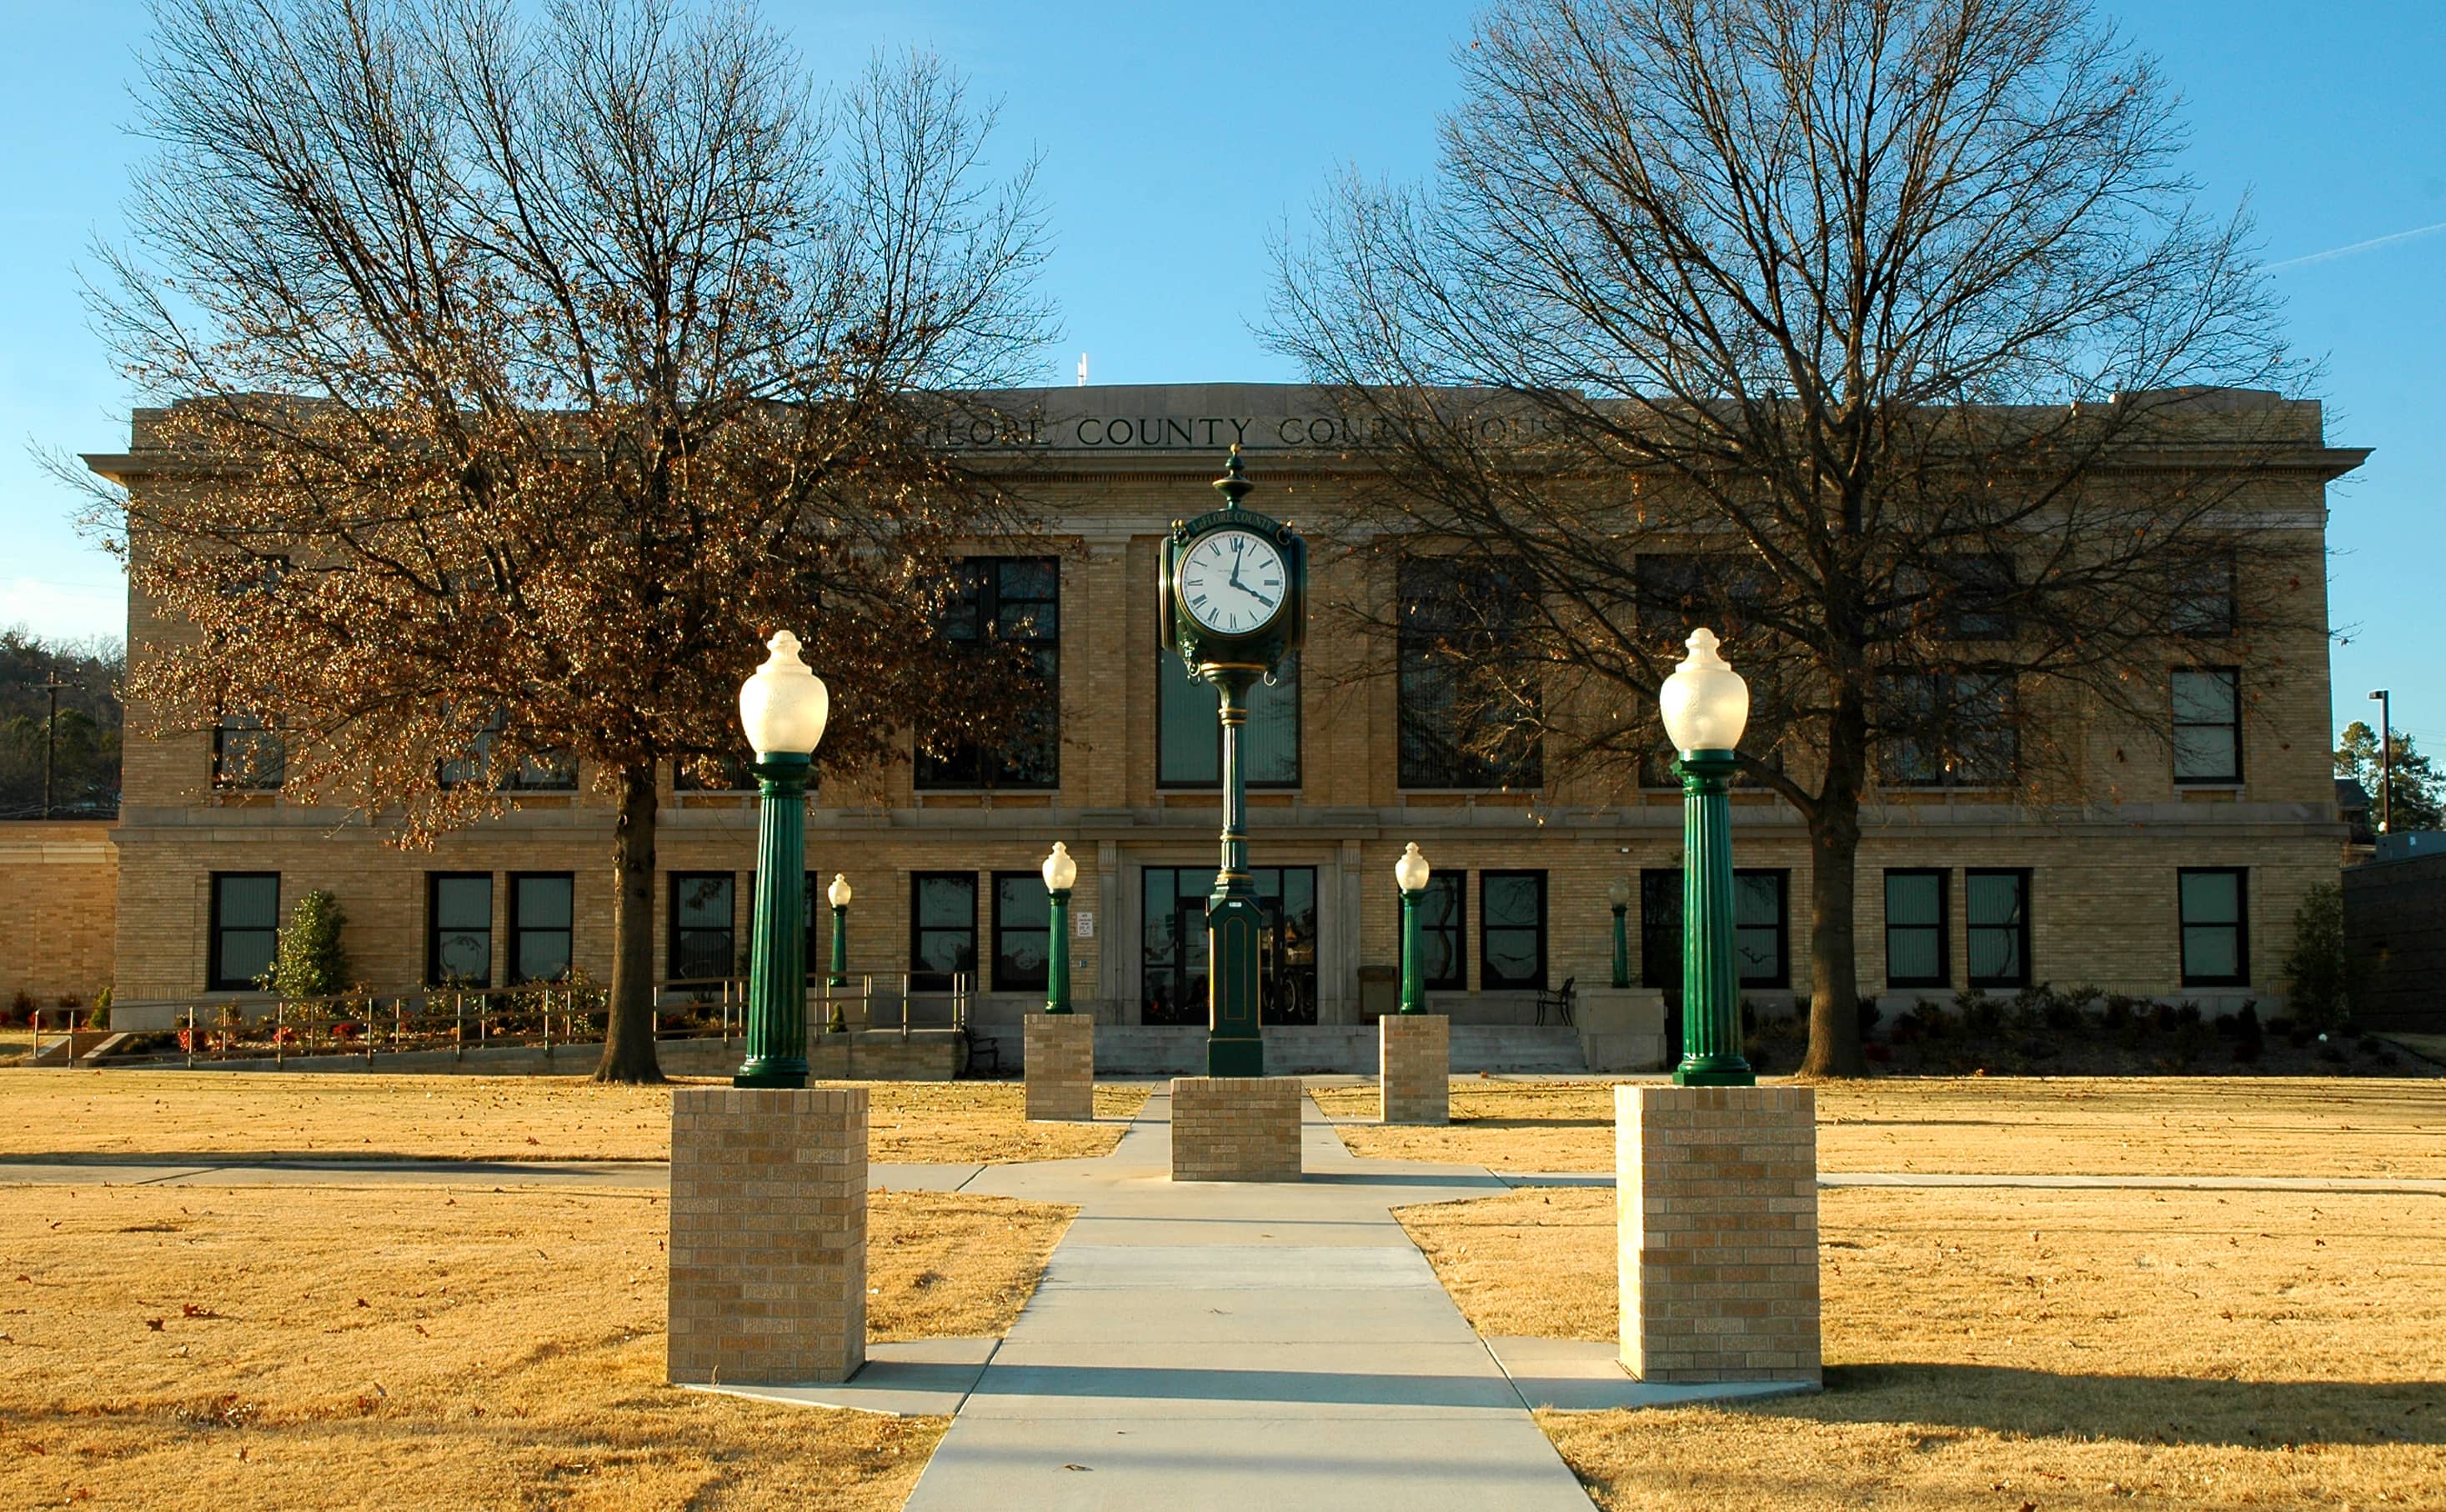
(525, 372)
(1881, 335)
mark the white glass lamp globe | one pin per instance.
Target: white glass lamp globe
(784, 705)
(1060, 871)
(1410, 872)
(1705, 704)
(839, 892)
(1618, 893)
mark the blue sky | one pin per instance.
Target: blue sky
(1176, 137)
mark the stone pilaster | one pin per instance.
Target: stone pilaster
(768, 1235)
(1235, 1128)
(1717, 1194)
(1059, 1052)
(1413, 1069)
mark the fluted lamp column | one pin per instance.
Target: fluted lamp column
(1410, 874)
(839, 895)
(1061, 875)
(783, 708)
(1705, 706)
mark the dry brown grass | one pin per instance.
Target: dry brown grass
(329, 1114)
(2054, 1349)
(416, 1347)
(2355, 1126)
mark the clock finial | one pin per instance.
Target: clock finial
(1233, 482)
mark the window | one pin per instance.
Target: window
(1016, 600)
(1468, 709)
(2216, 925)
(1023, 930)
(2203, 593)
(942, 928)
(1917, 952)
(1949, 730)
(703, 926)
(2208, 724)
(1762, 928)
(1286, 945)
(1676, 593)
(246, 757)
(1189, 733)
(245, 929)
(730, 775)
(1966, 597)
(819, 911)
(459, 929)
(1512, 929)
(1172, 945)
(1660, 929)
(1443, 918)
(552, 772)
(1996, 906)
(541, 906)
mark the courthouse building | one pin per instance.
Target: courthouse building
(2174, 871)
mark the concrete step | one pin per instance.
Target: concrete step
(1148, 1050)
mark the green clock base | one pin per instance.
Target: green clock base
(1234, 1042)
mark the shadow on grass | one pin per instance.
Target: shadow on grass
(2142, 1409)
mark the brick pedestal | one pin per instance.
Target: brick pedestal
(768, 1235)
(1059, 1050)
(1717, 1189)
(1413, 1069)
(1235, 1128)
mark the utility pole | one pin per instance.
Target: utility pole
(51, 732)
(2385, 763)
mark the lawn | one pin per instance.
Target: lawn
(2292, 1126)
(333, 1115)
(195, 1348)
(2030, 1349)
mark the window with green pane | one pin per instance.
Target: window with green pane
(1443, 932)
(245, 929)
(1512, 929)
(1762, 931)
(2216, 930)
(542, 905)
(703, 926)
(459, 929)
(1996, 913)
(1023, 930)
(942, 928)
(1916, 955)
(1189, 730)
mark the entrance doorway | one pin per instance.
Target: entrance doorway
(1172, 944)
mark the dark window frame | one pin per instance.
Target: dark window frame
(1020, 982)
(1169, 671)
(738, 767)
(521, 928)
(1971, 929)
(1455, 883)
(2239, 927)
(433, 930)
(2203, 609)
(2177, 725)
(1943, 927)
(1781, 976)
(261, 777)
(672, 931)
(1955, 766)
(1427, 679)
(983, 603)
(1543, 929)
(216, 933)
(921, 975)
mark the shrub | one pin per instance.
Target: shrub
(1869, 1017)
(2321, 978)
(308, 960)
(1980, 1013)
(20, 1007)
(2248, 1037)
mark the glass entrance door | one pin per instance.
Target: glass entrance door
(1172, 944)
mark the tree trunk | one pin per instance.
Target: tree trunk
(1834, 861)
(628, 1033)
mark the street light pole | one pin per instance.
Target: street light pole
(2385, 763)
(1410, 874)
(1061, 875)
(1619, 894)
(783, 708)
(1705, 706)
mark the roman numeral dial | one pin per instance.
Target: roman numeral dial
(1232, 581)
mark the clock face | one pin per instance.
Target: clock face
(1232, 581)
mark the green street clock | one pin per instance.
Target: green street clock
(1233, 603)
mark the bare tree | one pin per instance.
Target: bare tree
(1882, 335)
(534, 370)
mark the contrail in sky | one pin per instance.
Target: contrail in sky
(2358, 246)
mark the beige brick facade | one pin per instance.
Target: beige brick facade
(2102, 850)
(1060, 1051)
(1413, 1069)
(1716, 1192)
(1235, 1128)
(59, 879)
(768, 1235)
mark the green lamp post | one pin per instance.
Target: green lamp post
(1410, 874)
(1232, 602)
(1061, 875)
(783, 708)
(839, 895)
(1619, 893)
(1705, 705)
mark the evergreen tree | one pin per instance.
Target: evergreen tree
(2419, 793)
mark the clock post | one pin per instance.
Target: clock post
(1235, 603)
